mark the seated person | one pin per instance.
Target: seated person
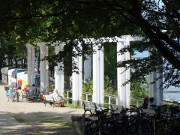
(33, 92)
(151, 103)
(50, 91)
(10, 92)
(58, 97)
(26, 88)
(145, 104)
(16, 94)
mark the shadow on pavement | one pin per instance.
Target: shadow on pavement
(35, 123)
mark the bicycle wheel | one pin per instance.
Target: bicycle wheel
(162, 128)
(147, 128)
(133, 129)
(91, 127)
(105, 127)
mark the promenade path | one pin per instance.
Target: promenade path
(34, 118)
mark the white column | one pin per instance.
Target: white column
(59, 72)
(121, 76)
(77, 78)
(127, 53)
(44, 83)
(155, 86)
(87, 67)
(150, 80)
(31, 64)
(101, 77)
(98, 74)
(96, 82)
(159, 88)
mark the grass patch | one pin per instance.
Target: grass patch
(52, 120)
(21, 120)
(42, 116)
(38, 113)
(64, 126)
(68, 123)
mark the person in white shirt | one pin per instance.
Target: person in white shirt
(58, 97)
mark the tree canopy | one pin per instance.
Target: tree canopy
(156, 20)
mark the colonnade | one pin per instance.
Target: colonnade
(123, 73)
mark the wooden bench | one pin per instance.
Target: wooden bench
(149, 112)
(115, 109)
(49, 99)
(98, 108)
(58, 102)
(91, 106)
(88, 106)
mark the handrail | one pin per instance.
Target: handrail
(109, 98)
(88, 93)
(172, 101)
(67, 96)
(137, 100)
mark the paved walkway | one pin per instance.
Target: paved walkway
(35, 116)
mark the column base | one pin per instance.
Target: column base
(76, 103)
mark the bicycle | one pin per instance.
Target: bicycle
(140, 124)
(98, 123)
